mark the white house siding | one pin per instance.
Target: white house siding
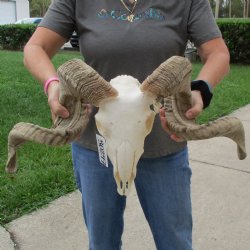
(7, 12)
(13, 10)
(23, 9)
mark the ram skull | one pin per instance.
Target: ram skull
(126, 114)
(124, 121)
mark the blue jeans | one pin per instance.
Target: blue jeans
(163, 188)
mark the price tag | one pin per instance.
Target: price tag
(101, 144)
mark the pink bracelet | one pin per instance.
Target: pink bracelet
(48, 82)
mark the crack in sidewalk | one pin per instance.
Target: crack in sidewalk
(221, 166)
(13, 239)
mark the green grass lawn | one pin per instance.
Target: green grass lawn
(45, 173)
(232, 93)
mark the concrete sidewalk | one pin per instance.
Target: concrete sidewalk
(221, 207)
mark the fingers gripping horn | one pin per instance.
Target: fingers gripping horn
(230, 127)
(172, 81)
(79, 84)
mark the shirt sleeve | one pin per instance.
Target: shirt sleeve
(60, 17)
(202, 26)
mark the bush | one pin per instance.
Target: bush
(15, 36)
(236, 33)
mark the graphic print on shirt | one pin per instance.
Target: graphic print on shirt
(123, 15)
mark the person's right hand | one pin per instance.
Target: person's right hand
(53, 100)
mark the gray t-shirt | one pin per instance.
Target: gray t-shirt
(114, 46)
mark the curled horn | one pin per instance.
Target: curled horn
(172, 81)
(79, 84)
(85, 83)
(230, 127)
(167, 78)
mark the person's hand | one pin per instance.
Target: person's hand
(197, 107)
(192, 113)
(53, 100)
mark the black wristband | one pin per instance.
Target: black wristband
(203, 87)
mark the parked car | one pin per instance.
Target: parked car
(74, 40)
(30, 20)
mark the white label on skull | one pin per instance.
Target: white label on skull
(101, 144)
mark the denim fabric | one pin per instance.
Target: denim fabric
(163, 188)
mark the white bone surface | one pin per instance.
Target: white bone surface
(124, 121)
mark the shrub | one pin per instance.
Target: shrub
(236, 33)
(15, 36)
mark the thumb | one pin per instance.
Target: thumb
(194, 111)
(53, 100)
(57, 109)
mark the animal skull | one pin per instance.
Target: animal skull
(132, 111)
(125, 116)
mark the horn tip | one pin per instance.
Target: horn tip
(241, 153)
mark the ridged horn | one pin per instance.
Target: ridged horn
(171, 80)
(84, 82)
(166, 79)
(79, 84)
(230, 127)
(64, 131)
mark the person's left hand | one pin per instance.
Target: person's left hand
(190, 114)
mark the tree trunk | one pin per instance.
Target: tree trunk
(247, 9)
(230, 9)
(217, 8)
(244, 8)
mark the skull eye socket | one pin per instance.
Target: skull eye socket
(152, 107)
(155, 106)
